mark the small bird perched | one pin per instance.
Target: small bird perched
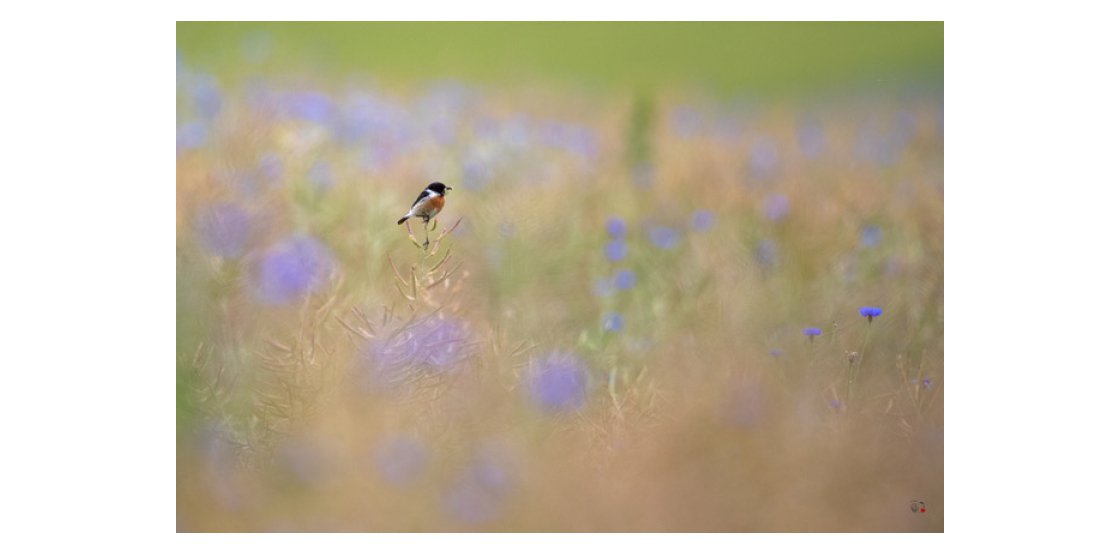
(428, 204)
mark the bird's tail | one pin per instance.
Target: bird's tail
(401, 221)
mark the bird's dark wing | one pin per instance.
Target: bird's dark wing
(423, 194)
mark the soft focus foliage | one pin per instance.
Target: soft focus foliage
(607, 331)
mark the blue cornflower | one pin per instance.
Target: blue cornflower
(927, 383)
(870, 312)
(703, 220)
(664, 237)
(625, 279)
(616, 227)
(401, 460)
(811, 332)
(613, 322)
(776, 207)
(558, 382)
(223, 229)
(292, 268)
(615, 250)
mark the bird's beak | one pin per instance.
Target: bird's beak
(450, 188)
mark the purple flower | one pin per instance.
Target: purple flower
(427, 348)
(764, 159)
(401, 460)
(191, 136)
(870, 312)
(223, 229)
(296, 266)
(558, 382)
(812, 332)
(625, 279)
(309, 105)
(687, 122)
(927, 383)
(776, 207)
(479, 494)
(870, 236)
(703, 220)
(616, 228)
(613, 322)
(615, 251)
(270, 166)
(664, 237)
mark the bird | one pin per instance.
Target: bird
(428, 204)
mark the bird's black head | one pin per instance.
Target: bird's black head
(439, 188)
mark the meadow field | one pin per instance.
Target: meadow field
(647, 305)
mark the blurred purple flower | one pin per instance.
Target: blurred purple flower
(664, 237)
(616, 228)
(703, 220)
(401, 460)
(615, 251)
(558, 382)
(870, 236)
(687, 122)
(207, 97)
(776, 207)
(427, 348)
(927, 383)
(625, 279)
(812, 331)
(302, 460)
(764, 159)
(766, 253)
(292, 268)
(613, 322)
(476, 171)
(835, 404)
(320, 176)
(312, 106)
(223, 229)
(271, 167)
(479, 494)
(191, 135)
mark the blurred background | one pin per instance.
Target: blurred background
(689, 278)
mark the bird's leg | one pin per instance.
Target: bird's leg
(425, 234)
